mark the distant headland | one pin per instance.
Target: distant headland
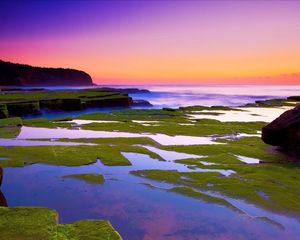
(14, 74)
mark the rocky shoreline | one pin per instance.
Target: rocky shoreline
(22, 102)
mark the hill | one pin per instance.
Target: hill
(14, 74)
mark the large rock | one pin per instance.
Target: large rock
(284, 131)
(1, 175)
(3, 202)
(13, 74)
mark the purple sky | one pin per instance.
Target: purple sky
(139, 41)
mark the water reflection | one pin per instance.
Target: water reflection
(135, 210)
(248, 114)
(10, 142)
(56, 133)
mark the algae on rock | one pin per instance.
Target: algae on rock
(27, 223)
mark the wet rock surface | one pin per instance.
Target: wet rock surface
(284, 131)
(141, 103)
(19, 103)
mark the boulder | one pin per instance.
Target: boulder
(284, 131)
(3, 202)
(1, 175)
(141, 103)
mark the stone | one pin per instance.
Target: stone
(1, 175)
(284, 131)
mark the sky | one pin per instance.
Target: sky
(157, 42)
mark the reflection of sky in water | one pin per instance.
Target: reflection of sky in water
(247, 159)
(249, 114)
(137, 211)
(8, 142)
(53, 133)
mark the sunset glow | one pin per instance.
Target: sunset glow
(159, 42)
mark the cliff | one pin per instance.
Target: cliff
(13, 74)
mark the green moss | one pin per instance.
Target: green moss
(11, 122)
(3, 111)
(89, 230)
(19, 108)
(172, 126)
(250, 147)
(70, 155)
(62, 155)
(10, 127)
(280, 183)
(223, 158)
(9, 132)
(29, 102)
(27, 223)
(205, 198)
(39, 122)
(160, 175)
(277, 179)
(89, 178)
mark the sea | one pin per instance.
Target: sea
(211, 95)
(175, 96)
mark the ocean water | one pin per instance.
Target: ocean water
(205, 94)
(210, 95)
(175, 96)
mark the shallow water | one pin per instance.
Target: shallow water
(144, 162)
(82, 122)
(136, 210)
(248, 159)
(249, 114)
(56, 133)
(9, 142)
(171, 155)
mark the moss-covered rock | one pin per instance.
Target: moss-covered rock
(1, 175)
(61, 104)
(89, 178)
(27, 223)
(10, 127)
(18, 103)
(3, 111)
(21, 108)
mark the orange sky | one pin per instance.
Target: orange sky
(164, 42)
